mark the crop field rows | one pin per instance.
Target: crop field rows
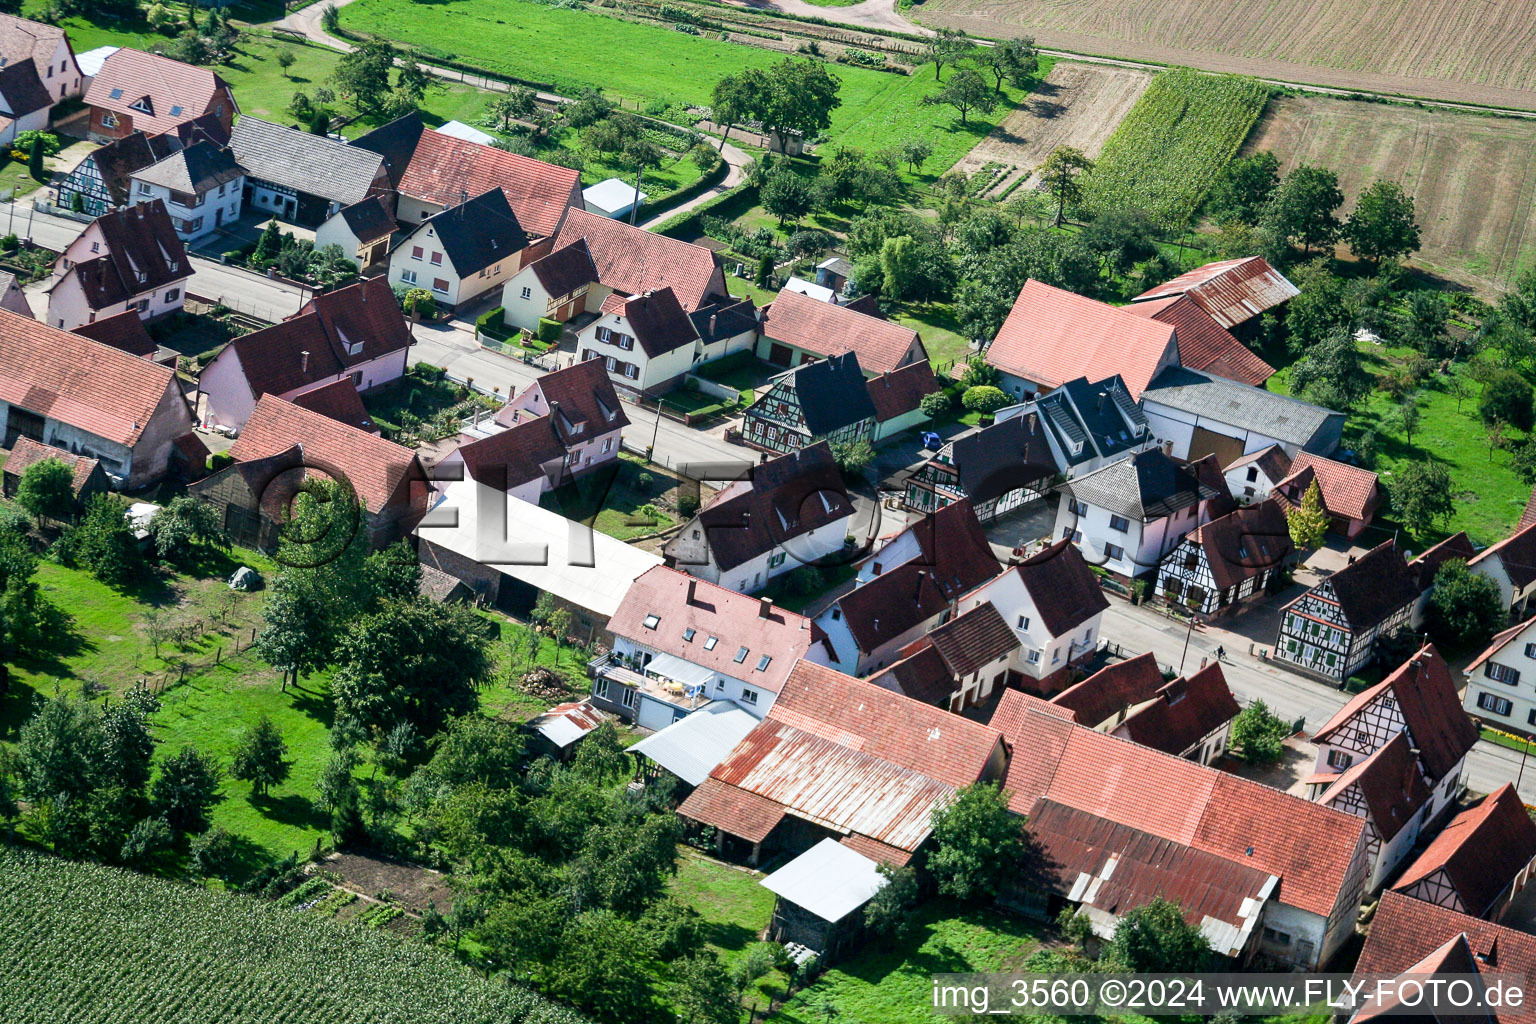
(1456, 50)
(1473, 178)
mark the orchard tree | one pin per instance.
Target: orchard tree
(1061, 176)
(58, 751)
(517, 104)
(104, 542)
(1507, 398)
(182, 526)
(736, 97)
(915, 152)
(1303, 209)
(1332, 373)
(259, 757)
(800, 97)
(978, 842)
(47, 489)
(948, 46)
(786, 195)
(1382, 225)
(966, 90)
(1422, 496)
(362, 75)
(1013, 60)
(186, 789)
(1244, 188)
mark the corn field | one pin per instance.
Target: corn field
(80, 942)
(1167, 152)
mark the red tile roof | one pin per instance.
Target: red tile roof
(273, 358)
(588, 405)
(1406, 931)
(166, 83)
(1315, 850)
(1498, 643)
(512, 457)
(1203, 343)
(1426, 698)
(921, 674)
(1245, 542)
(1389, 781)
(829, 330)
(1456, 546)
(737, 811)
(1528, 517)
(1052, 336)
(656, 319)
(632, 260)
(124, 331)
(442, 169)
(681, 602)
(1112, 689)
(21, 39)
(1231, 291)
(901, 391)
(1064, 589)
(1348, 491)
(974, 640)
(75, 380)
(1481, 851)
(876, 850)
(27, 452)
(340, 401)
(1183, 712)
(383, 474)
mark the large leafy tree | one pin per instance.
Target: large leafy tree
(58, 753)
(182, 526)
(966, 91)
(978, 843)
(1422, 496)
(1155, 938)
(186, 789)
(735, 99)
(1061, 174)
(1303, 210)
(1507, 398)
(1244, 188)
(104, 542)
(362, 75)
(261, 757)
(1382, 225)
(786, 195)
(800, 97)
(127, 746)
(1465, 608)
(1332, 373)
(1014, 60)
(1258, 734)
(47, 489)
(411, 661)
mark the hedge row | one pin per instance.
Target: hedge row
(688, 220)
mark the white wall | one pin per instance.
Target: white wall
(753, 574)
(227, 197)
(1179, 427)
(67, 307)
(1521, 694)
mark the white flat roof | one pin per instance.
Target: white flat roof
(542, 548)
(692, 747)
(830, 880)
(460, 130)
(612, 194)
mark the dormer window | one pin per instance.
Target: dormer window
(741, 655)
(689, 634)
(143, 106)
(709, 644)
(651, 621)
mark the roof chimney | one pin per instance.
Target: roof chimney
(712, 319)
(304, 361)
(764, 607)
(917, 594)
(1101, 401)
(463, 196)
(693, 586)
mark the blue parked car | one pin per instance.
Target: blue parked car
(932, 441)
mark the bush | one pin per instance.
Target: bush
(935, 405)
(17, 522)
(687, 505)
(1258, 734)
(426, 371)
(549, 330)
(984, 399)
(218, 460)
(1507, 397)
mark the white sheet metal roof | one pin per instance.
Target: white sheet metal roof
(567, 723)
(819, 292)
(612, 196)
(460, 130)
(830, 880)
(679, 670)
(691, 747)
(91, 61)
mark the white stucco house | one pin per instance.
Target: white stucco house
(463, 252)
(130, 258)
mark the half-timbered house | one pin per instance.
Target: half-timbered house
(1480, 861)
(1395, 755)
(1332, 630)
(1228, 561)
(1000, 468)
(822, 401)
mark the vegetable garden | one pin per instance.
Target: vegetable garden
(1168, 151)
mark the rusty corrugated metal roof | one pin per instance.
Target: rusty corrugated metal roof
(1231, 291)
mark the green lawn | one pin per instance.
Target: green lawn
(935, 321)
(1489, 497)
(733, 903)
(615, 499)
(894, 986)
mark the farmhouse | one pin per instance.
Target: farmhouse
(462, 252)
(1055, 607)
(1332, 630)
(432, 171)
(1200, 414)
(999, 468)
(87, 477)
(1103, 700)
(281, 445)
(363, 230)
(141, 91)
(839, 757)
(1120, 824)
(797, 329)
(679, 643)
(593, 257)
(1233, 293)
(1494, 691)
(1128, 515)
(47, 47)
(1480, 861)
(826, 400)
(588, 417)
(1189, 718)
(355, 333)
(646, 342)
(301, 177)
(130, 258)
(790, 511)
(103, 180)
(1228, 561)
(1052, 336)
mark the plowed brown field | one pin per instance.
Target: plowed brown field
(1077, 105)
(1473, 51)
(1473, 178)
